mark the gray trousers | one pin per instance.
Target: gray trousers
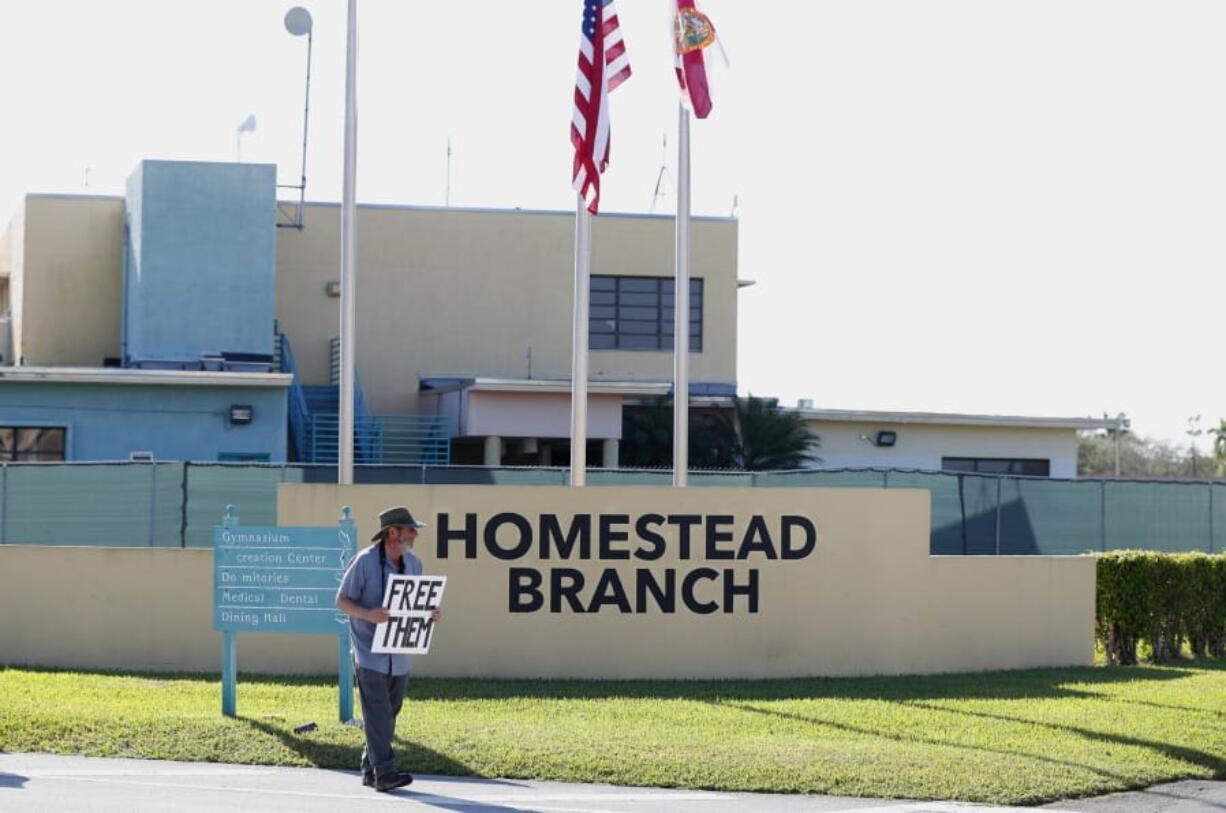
(382, 696)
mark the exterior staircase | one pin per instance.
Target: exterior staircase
(314, 423)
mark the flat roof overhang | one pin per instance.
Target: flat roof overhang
(956, 419)
(441, 384)
(120, 375)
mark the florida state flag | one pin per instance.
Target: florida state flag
(693, 33)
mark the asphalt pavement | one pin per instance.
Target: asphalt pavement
(38, 782)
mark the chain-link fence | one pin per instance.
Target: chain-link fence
(177, 504)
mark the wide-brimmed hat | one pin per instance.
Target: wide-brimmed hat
(395, 516)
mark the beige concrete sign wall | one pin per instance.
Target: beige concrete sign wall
(859, 595)
(131, 608)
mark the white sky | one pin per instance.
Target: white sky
(968, 205)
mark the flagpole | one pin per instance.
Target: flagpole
(579, 345)
(348, 356)
(681, 307)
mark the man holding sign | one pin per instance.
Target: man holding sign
(390, 615)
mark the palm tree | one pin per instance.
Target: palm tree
(647, 434)
(647, 437)
(771, 438)
(755, 435)
(1219, 445)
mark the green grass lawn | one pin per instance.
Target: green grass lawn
(1006, 738)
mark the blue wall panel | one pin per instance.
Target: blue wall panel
(200, 265)
(109, 421)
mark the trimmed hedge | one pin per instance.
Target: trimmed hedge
(1162, 600)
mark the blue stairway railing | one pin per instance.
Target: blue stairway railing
(364, 442)
(299, 414)
(387, 439)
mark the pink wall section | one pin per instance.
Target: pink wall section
(538, 415)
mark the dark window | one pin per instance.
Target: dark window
(636, 313)
(998, 465)
(32, 443)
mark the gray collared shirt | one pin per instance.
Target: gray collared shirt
(363, 584)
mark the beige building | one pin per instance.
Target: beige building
(61, 262)
(461, 312)
(929, 441)
(466, 313)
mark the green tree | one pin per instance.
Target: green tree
(1219, 447)
(755, 434)
(1139, 457)
(647, 434)
(647, 437)
(770, 437)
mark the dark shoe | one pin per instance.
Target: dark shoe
(393, 780)
(368, 779)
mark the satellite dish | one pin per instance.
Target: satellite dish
(298, 21)
(248, 125)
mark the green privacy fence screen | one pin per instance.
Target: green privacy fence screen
(177, 504)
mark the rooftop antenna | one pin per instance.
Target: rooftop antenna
(736, 207)
(656, 195)
(447, 194)
(248, 126)
(87, 171)
(298, 23)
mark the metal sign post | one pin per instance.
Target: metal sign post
(273, 579)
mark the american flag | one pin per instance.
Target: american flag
(603, 65)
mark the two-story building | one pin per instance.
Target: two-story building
(149, 323)
(182, 321)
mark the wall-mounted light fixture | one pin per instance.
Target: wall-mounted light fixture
(241, 414)
(882, 439)
(333, 288)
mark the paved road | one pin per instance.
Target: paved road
(1190, 796)
(34, 782)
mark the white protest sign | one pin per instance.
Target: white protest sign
(411, 600)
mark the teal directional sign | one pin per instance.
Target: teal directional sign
(279, 579)
(272, 579)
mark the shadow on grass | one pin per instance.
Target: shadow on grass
(411, 756)
(926, 692)
(1073, 682)
(1002, 685)
(1210, 762)
(1163, 706)
(924, 740)
(921, 692)
(1070, 682)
